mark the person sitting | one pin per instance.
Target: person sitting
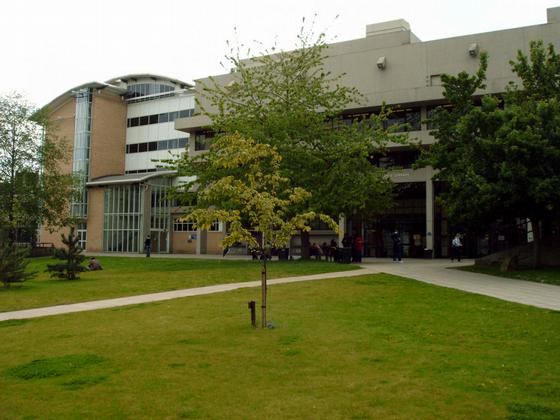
(315, 251)
(94, 265)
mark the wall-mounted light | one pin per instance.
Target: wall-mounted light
(381, 63)
(473, 49)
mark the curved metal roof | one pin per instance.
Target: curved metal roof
(128, 178)
(59, 100)
(126, 78)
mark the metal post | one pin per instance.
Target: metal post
(252, 306)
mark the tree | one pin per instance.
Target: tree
(71, 256)
(33, 190)
(501, 157)
(290, 101)
(13, 264)
(240, 184)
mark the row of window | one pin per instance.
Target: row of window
(179, 226)
(153, 146)
(408, 119)
(158, 118)
(144, 89)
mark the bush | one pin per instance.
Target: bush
(13, 264)
(71, 256)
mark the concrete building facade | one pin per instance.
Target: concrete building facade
(390, 65)
(117, 131)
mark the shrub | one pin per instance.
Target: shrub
(13, 264)
(71, 257)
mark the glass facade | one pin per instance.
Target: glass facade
(123, 218)
(80, 159)
(160, 218)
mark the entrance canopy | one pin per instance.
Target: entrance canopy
(128, 178)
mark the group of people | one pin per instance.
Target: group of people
(327, 250)
(356, 242)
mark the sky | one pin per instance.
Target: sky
(50, 46)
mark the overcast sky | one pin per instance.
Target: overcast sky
(48, 47)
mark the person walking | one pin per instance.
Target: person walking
(397, 246)
(456, 248)
(148, 246)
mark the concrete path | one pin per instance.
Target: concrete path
(155, 297)
(437, 272)
(429, 271)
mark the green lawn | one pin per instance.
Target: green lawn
(375, 346)
(124, 276)
(541, 275)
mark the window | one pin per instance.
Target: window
(203, 140)
(184, 113)
(154, 119)
(408, 119)
(142, 147)
(133, 148)
(163, 117)
(183, 226)
(162, 145)
(183, 142)
(216, 227)
(134, 122)
(152, 146)
(173, 116)
(172, 144)
(144, 120)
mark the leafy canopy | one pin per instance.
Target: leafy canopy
(290, 101)
(501, 156)
(247, 191)
(33, 190)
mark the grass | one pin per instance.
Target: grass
(375, 346)
(122, 276)
(541, 275)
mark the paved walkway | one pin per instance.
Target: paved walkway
(429, 271)
(436, 272)
(155, 297)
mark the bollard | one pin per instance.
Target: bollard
(252, 307)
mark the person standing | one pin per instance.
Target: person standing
(148, 246)
(397, 246)
(358, 247)
(456, 248)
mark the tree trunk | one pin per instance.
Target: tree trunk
(305, 245)
(263, 289)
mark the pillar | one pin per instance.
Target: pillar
(430, 210)
(201, 242)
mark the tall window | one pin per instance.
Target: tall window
(80, 158)
(123, 218)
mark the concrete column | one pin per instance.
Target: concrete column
(146, 215)
(429, 210)
(341, 228)
(201, 242)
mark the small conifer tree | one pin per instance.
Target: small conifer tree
(71, 257)
(13, 264)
